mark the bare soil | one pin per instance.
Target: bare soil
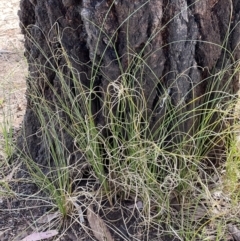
(13, 68)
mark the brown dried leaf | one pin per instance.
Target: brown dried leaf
(98, 226)
(199, 213)
(235, 232)
(47, 218)
(40, 235)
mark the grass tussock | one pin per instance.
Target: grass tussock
(168, 170)
(171, 175)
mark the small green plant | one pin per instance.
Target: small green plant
(2, 102)
(6, 131)
(232, 166)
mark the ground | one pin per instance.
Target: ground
(13, 70)
(13, 67)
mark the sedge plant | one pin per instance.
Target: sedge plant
(161, 165)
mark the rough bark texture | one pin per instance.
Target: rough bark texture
(180, 41)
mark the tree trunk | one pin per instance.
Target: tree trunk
(173, 51)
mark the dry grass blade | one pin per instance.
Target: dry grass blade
(80, 213)
(98, 226)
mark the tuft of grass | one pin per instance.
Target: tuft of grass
(164, 167)
(6, 131)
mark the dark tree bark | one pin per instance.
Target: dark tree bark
(183, 44)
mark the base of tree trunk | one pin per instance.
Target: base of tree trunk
(121, 87)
